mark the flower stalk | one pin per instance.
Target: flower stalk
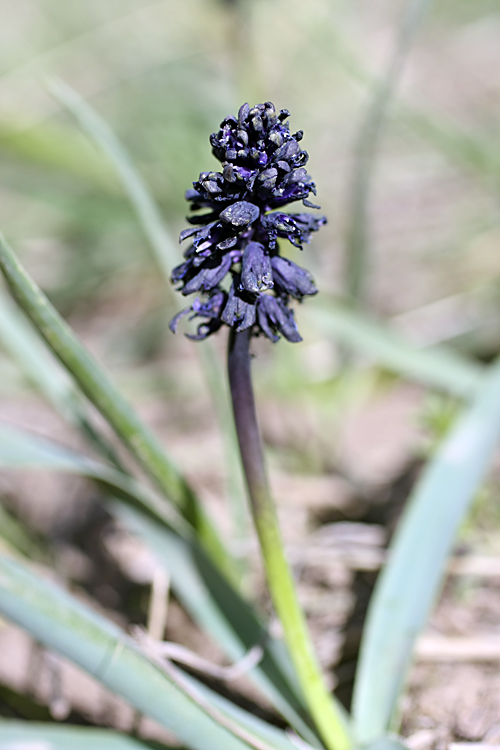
(234, 263)
(323, 710)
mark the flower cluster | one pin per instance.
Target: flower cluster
(263, 169)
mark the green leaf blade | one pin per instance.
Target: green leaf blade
(62, 623)
(411, 580)
(165, 250)
(167, 255)
(208, 597)
(22, 735)
(221, 612)
(437, 367)
(367, 144)
(99, 389)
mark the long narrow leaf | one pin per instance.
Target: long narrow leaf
(62, 623)
(411, 580)
(17, 537)
(366, 148)
(474, 152)
(23, 735)
(52, 146)
(437, 367)
(213, 604)
(101, 392)
(20, 450)
(278, 739)
(39, 366)
(166, 252)
(69, 627)
(19, 340)
(167, 256)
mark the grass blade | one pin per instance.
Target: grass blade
(278, 739)
(18, 339)
(213, 604)
(365, 152)
(21, 450)
(471, 151)
(16, 735)
(96, 385)
(18, 538)
(62, 623)
(53, 147)
(436, 367)
(409, 584)
(166, 251)
(167, 255)
(220, 611)
(56, 737)
(475, 153)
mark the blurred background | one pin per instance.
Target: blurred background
(400, 107)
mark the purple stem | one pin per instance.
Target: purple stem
(240, 382)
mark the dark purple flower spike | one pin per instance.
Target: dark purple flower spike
(263, 169)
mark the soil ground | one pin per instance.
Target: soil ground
(336, 530)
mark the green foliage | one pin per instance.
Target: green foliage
(409, 584)
(437, 367)
(57, 184)
(59, 621)
(97, 387)
(205, 593)
(29, 734)
(367, 144)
